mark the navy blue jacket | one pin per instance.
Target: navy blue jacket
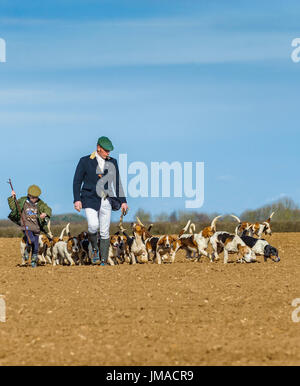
(86, 179)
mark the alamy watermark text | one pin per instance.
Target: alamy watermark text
(2, 50)
(156, 180)
(296, 52)
(2, 309)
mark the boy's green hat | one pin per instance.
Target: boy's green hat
(105, 143)
(34, 191)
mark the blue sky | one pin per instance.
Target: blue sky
(166, 80)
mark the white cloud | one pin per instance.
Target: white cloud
(225, 178)
(57, 94)
(275, 198)
(66, 45)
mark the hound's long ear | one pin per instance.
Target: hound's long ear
(160, 241)
(243, 234)
(239, 247)
(146, 235)
(267, 250)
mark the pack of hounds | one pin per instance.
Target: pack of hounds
(142, 247)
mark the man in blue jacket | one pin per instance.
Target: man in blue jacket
(94, 178)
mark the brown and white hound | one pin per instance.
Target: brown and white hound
(66, 251)
(230, 243)
(196, 242)
(253, 229)
(118, 249)
(135, 245)
(161, 247)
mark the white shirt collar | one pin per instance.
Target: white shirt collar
(101, 162)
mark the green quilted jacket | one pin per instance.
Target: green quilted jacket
(42, 208)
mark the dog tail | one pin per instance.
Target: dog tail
(269, 219)
(49, 235)
(236, 218)
(192, 229)
(61, 237)
(185, 229)
(214, 222)
(140, 222)
(68, 230)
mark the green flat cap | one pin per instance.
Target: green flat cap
(105, 143)
(34, 191)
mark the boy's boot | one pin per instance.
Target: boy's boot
(25, 258)
(34, 259)
(104, 249)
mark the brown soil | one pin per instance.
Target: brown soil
(181, 314)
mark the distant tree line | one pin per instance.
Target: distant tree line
(285, 210)
(285, 219)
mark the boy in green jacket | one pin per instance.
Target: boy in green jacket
(35, 214)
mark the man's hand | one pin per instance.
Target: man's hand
(13, 194)
(78, 206)
(124, 208)
(43, 215)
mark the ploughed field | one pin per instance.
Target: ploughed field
(182, 314)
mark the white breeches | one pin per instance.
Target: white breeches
(99, 220)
